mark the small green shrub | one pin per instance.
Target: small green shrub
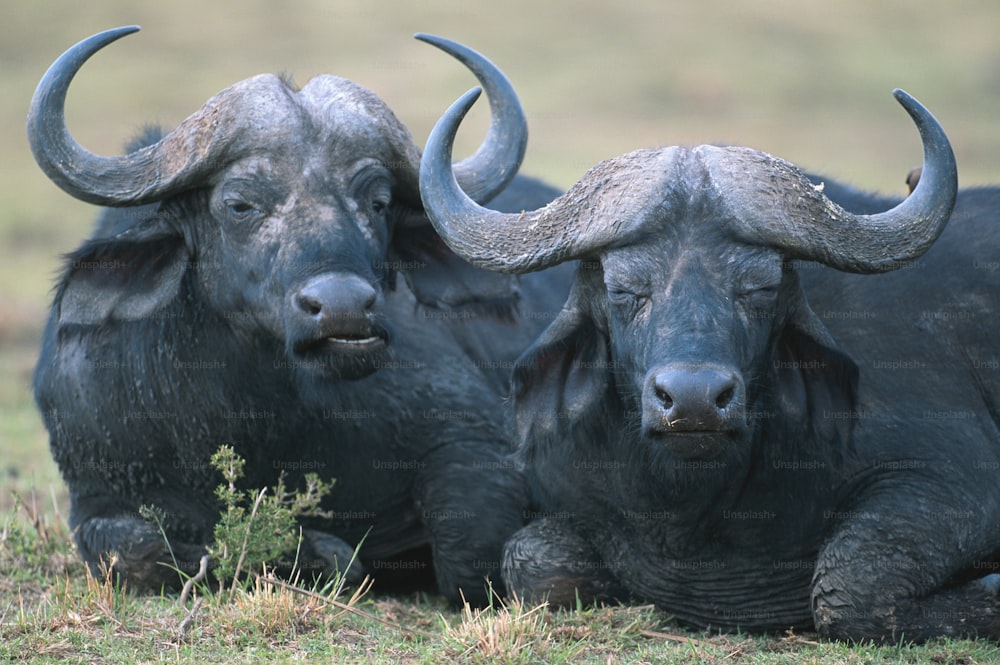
(258, 527)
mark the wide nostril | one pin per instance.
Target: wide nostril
(336, 296)
(334, 306)
(664, 397)
(309, 305)
(725, 398)
(692, 398)
(368, 302)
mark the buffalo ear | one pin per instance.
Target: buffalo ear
(560, 379)
(124, 277)
(440, 279)
(817, 381)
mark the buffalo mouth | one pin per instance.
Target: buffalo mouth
(693, 444)
(347, 344)
(343, 355)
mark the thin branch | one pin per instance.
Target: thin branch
(183, 627)
(246, 539)
(55, 504)
(199, 576)
(675, 638)
(32, 514)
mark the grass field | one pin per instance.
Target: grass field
(807, 81)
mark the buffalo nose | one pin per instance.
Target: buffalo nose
(685, 399)
(337, 305)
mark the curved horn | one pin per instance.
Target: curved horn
(495, 163)
(808, 225)
(78, 171)
(149, 173)
(581, 221)
(769, 201)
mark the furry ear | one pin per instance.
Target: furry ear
(440, 279)
(125, 277)
(816, 379)
(561, 378)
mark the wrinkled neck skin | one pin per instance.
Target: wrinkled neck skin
(692, 496)
(725, 541)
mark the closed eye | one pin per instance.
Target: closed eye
(761, 298)
(620, 296)
(770, 291)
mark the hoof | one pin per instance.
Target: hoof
(335, 555)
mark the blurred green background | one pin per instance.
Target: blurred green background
(807, 81)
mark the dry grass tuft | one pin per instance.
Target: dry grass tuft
(273, 613)
(509, 632)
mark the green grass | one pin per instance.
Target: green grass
(50, 611)
(806, 81)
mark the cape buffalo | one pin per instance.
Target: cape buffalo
(704, 439)
(265, 278)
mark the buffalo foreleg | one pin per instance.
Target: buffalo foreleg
(898, 570)
(334, 556)
(470, 504)
(548, 561)
(132, 552)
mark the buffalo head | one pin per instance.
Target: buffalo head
(288, 210)
(686, 312)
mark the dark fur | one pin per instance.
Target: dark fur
(861, 495)
(165, 342)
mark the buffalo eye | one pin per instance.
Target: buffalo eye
(757, 287)
(759, 300)
(379, 196)
(625, 299)
(618, 296)
(240, 211)
(372, 190)
(380, 205)
(761, 294)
